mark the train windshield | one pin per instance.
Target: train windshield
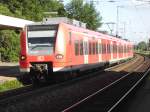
(41, 39)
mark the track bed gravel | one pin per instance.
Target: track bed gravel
(139, 100)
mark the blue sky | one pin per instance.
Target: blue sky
(134, 17)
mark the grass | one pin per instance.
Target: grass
(146, 53)
(10, 85)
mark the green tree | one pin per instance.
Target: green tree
(76, 9)
(9, 45)
(142, 45)
(4, 10)
(33, 9)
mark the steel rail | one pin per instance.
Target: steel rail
(129, 91)
(99, 91)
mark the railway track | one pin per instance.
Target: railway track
(60, 96)
(109, 97)
(28, 88)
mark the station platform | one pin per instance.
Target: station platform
(8, 71)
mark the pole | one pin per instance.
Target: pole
(117, 18)
(124, 24)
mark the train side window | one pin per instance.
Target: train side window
(81, 47)
(122, 49)
(93, 47)
(100, 48)
(70, 38)
(119, 48)
(125, 49)
(96, 48)
(90, 48)
(115, 48)
(103, 48)
(76, 47)
(108, 48)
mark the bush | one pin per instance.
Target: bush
(9, 45)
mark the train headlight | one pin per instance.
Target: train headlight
(22, 57)
(59, 56)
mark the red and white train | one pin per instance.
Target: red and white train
(55, 46)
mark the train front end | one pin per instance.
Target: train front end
(37, 50)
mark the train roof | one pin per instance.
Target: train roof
(96, 34)
(78, 26)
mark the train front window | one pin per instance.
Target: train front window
(41, 39)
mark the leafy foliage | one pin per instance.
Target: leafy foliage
(9, 45)
(84, 12)
(142, 46)
(32, 9)
(4, 10)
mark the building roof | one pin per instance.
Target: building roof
(7, 22)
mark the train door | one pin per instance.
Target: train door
(99, 50)
(85, 50)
